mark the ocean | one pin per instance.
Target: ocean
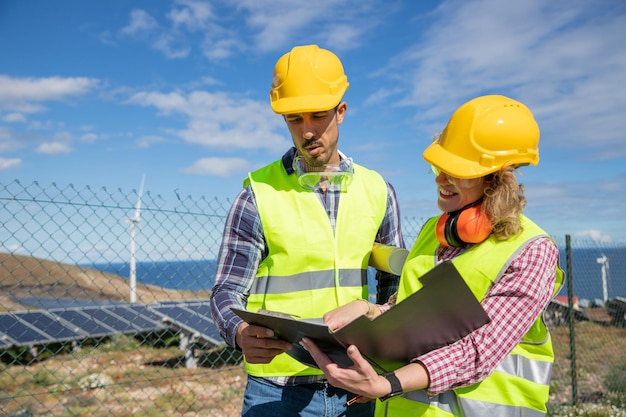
(200, 274)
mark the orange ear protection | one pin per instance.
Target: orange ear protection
(467, 225)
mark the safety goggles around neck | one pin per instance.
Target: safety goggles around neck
(331, 177)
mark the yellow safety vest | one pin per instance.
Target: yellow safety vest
(519, 386)
(311, 269)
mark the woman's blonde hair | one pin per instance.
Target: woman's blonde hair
(504, 202)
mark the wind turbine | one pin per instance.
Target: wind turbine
(133, 221)
(604, 267)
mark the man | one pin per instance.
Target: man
(298, 239)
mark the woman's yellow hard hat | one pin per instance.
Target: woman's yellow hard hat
(483, 135)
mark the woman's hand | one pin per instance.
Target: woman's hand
(339, 317)
(360, 379)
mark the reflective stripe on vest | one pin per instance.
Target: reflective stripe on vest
(520, 384)
(521, 366)
(479, 408)
(311, 268)
(302, 282)
(501, 394)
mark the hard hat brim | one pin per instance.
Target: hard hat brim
(309, 104)
(453, 165)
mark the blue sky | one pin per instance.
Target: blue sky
(99, 93)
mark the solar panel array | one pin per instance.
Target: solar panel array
(193, 318)
(69, 320)
(35, 328)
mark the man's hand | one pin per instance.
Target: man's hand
(258, 344)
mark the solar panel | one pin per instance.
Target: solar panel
(183, 303)
(204, 311)
(172, 303)
(50, 325)
(5, 341)
(21, 331)
(61, 303)
(190, 321)
(145, 311)
(139, 320)
(103, 316)
(177, 313)
(85, 323)
(69, 319)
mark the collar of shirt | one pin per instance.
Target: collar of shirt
(290, 155)
(445, 253)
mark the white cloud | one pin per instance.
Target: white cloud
(192, 15)
(89, 137)
(164, 102)
(18, 93)
(176, 38)
(594, 235)
(11, 140)
(567, 207)
(14, 248)
(379, 96)
(45, 125)
(140, 22)
(5, 133)
(210, 81)
(563, 59)
(63, 136)
(144, 26)
(309, 20)
(53, 148)
(14, 118)
(8, 142)
(220, 48)
(171, 46)
(148, 141)
(571, 197)
(9, 163)
(23, 108)
(219, 119)
(220, 167)
(107, 39)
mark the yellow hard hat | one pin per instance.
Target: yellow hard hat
(483, 135)
(307, 79)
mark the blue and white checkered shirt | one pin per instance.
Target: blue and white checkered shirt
(243, 248)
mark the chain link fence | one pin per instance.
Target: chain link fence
(103, 308)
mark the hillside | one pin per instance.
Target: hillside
(23, 276)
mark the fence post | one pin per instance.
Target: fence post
(570, 301)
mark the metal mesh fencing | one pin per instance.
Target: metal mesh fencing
(103, 307)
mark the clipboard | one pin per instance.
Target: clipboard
(442, 312)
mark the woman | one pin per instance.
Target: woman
(502, 368)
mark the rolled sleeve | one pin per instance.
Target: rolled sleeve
(239, 257)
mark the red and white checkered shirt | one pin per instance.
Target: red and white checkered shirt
(513, 304)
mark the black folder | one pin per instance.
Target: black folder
(442, 312)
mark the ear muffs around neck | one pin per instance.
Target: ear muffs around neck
(462, 227)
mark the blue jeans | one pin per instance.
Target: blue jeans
(265, 399)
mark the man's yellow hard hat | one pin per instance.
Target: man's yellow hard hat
(307, 79)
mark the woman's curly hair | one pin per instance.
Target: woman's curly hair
(504, 202)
